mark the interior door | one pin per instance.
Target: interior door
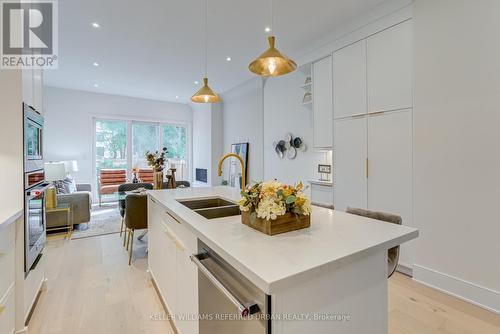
(390, 167)
(350, 184)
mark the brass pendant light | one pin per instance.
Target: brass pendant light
(272, 62)
(205, 94)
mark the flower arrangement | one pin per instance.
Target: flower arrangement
(270, 200)
(157, 160)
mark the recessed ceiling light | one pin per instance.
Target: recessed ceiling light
(196, 82)
(268, 29)
(177, 97)
(228, 59)
(96, 64)
(95, 25)
(96, 85)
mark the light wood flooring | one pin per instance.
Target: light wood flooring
(91, 289)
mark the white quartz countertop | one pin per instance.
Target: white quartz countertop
(278, 262)
(8, 217)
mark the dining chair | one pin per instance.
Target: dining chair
(136, 218)
(393, 253)
(121, 203)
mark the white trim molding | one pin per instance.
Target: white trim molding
(470, 292)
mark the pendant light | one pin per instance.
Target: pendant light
(206, 94)
(272, 62)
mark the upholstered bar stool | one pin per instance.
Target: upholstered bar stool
(136, 218)
(393, 253)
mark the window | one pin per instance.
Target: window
(110, 144)
(144, 138)
(122, 144)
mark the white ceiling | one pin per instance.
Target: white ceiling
(154, 48)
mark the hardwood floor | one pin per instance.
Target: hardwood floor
(417, 309)
(91, 289)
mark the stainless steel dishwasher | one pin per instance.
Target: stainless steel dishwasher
(228, 302)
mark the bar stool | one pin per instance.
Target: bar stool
(393, 253)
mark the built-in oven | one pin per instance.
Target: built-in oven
(34, 187)
(34, 216)
(33, 139)
(228, 302)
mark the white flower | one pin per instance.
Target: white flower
(270, 210)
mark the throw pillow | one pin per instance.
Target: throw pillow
(66, 186)
(60, 188)
(70, 185)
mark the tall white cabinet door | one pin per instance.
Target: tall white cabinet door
(28, 85)
(322, 104)
(38, 90)
(349, 80)
(350, 183)
(390, 167)
(390, 68)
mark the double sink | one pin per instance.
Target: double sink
(212, 208)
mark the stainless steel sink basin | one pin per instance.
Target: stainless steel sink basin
(204, 203)
(219, 212)
(212, 208)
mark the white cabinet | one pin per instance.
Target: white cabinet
(321, 193)
(322, 104)
(32, 83)
(27, 83)
(349, 80)
(170, 247)
(7, 278)
(38, 90)
(373, 153)
(390, 168)
(350, 156)
(390, 68)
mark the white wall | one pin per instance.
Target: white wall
(260, 113)
(457, 147)
(207, 140)
(11, 144)
(242, 120)
(68, 121)
(283, 113)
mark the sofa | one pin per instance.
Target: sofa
(81, 204)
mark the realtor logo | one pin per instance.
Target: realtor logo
(29, 34)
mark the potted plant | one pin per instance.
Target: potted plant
(157, 161)
(273, 207)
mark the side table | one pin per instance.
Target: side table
(61, 208)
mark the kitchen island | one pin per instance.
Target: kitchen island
(331, 277)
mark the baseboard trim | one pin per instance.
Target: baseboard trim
(163, 303)
(405, 270)
(470, 292)
(22, 331)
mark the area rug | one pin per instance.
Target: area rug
(104, 219)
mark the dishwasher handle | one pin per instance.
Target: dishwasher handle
(245, 310)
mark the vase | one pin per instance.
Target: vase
(158, 180)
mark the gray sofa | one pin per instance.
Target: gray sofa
(81, 204)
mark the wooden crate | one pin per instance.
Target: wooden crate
(286, 223)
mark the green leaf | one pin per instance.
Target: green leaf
(290, 199)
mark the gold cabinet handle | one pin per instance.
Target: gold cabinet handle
(172, 237)
(2, 308)
(366, 167)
